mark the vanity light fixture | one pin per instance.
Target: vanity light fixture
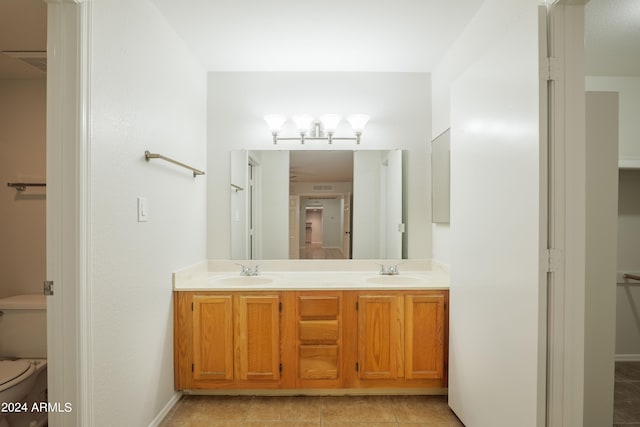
(321, 129)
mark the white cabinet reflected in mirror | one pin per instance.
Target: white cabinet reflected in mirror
(317, 204)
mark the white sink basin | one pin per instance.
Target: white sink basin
(245, 280)
(394, 280)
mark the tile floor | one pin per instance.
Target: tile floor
(312, 411)
(316, 251)
(626, 402)
(364, 411)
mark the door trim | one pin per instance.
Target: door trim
(68, 210)
(565, 375)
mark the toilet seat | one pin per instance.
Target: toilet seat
(13, 372)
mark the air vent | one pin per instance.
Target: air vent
(35, 58)
(323, 188)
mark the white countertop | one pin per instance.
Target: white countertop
(225, 276)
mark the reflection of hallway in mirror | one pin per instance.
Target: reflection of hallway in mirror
(316, 251)
(314, 236)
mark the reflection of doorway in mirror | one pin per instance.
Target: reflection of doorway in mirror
(294, 220)
(321, 227)
(345, 203)
(313, 227)
(254, 214)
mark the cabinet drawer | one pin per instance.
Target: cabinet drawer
(318, 306)
(318, 362)
(318, 330)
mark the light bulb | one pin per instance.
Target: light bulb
(358, 122)
(302, 122)
(330, 122)
(275, 122)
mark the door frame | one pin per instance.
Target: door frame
(567, 219)
(68, 210)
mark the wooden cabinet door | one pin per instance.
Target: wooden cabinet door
(424, 336)
(378, 336)
(212, 337)
(258, 337)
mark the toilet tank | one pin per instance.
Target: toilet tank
(23, 326)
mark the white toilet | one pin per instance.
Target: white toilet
(23, 363)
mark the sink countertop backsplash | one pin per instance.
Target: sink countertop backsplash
(225, 275)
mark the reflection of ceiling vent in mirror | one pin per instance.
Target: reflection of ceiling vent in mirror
(323, 188)
(35, 58)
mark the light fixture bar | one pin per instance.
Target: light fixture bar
(322, 138)
(327, 124)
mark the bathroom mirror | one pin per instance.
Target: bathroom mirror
(316, 204)
(440, 178)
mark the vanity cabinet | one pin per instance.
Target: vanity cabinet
(228, 340)
(388, 340)
(318, 339)
(401, 338)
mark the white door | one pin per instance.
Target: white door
(294, 227)
(239, 203)
(346, 225)
(498, 312)
(393, 205)
(365, 225)
(377, 204)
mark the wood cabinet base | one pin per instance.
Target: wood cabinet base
(426, 391)
(311, 342)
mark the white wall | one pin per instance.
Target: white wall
(147, 92)
(22, 159)
(399, 106)
(601, 236)
(628, 88)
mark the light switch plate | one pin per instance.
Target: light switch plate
(143, 209)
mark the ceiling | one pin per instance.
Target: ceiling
(23, 27)
(321, 166)
(358, 35)
(331, 35)
(612, 38)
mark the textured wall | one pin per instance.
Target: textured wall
(147, 93)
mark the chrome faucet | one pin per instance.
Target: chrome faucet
(248, 271)
(392, 270)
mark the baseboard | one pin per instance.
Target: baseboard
(170, 404)
(627, 357)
